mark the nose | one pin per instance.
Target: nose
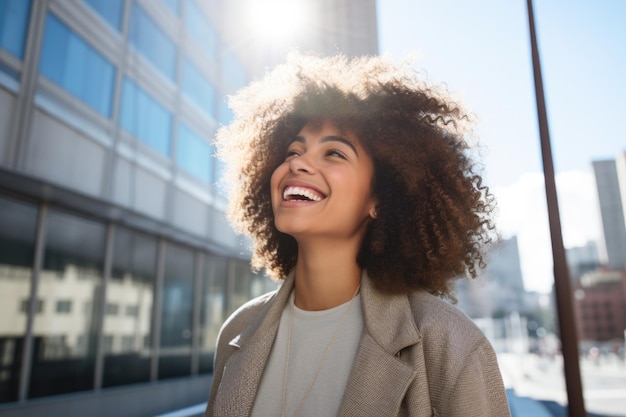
(301, 164)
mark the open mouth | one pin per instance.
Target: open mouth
(301, 194)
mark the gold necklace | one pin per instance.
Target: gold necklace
(319, 367)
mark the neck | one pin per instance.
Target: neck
(327, 275)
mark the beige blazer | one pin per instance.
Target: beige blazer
(418, 356)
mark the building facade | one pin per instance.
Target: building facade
(601, 307)
(611, 186)
(499, 290)
(117, 264)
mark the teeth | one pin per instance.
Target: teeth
(304, 192)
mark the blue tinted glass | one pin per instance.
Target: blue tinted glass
(67, 60)
(200, 29)
(194, 154)
(198, 88)
(234, 74)
(13, 24)
(152, 42)
(173, 4)
(110, 10)
(143, 117)
(226, 114)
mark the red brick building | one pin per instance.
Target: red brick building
(600, 300)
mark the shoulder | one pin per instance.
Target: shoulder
(442, 324)
(459, 359)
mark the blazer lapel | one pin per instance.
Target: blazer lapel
(380, 378)
(244, 368)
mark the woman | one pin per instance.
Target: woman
(354, 182)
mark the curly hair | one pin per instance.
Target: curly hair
(434, 213)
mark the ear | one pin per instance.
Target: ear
(374, 212)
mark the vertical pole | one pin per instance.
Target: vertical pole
(562, 287)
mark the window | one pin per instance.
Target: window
(226, 114)
(63, 358)
(112, 309)
(194, 154)
(174, 5)
(132, 311)
(25, 306)
(152, 42)
(198, 88)
(13, 26)
(176, 313)
(128, 343)
(64, 306)
(107, 343)
(109, 10)
(212, 307)
(68, 61)
(234, 75)
(201, 29)
(132, 283)
(17, 245)
(146, 119)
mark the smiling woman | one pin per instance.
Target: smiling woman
(274, 20)
(356, 184)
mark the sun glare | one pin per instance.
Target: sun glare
(276, 20)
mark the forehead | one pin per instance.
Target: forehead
(325, 126)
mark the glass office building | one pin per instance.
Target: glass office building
(117, 265)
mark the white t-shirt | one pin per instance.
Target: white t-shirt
(311, 334)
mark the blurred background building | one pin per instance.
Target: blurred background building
(610, 176)
(117, 265)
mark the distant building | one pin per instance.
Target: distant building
(611, 185)
(582, 259)
(600, 300)
(117, 265)
(499, 290)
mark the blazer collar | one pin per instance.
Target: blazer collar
(388, 318)
(380, 378)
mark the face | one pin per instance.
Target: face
(323, 187)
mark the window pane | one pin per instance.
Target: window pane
(212, 308)
(176, 313)
(17, 245)
(13, 24)
(201, 29)
(198, 88)
(233, 72)
(110, 10)
(67, 60)
(144, 118)
(152, 42)
(131, 290)
(174, 5)
(64, 344)
(240, 290)
(194, 154)
(226, 114)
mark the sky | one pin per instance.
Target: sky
(480, 50)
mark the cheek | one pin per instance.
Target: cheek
(275, 180)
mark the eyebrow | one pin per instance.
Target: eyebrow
(331, 138)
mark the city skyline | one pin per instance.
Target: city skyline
(481, 51)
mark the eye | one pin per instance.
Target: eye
(336, 153)
(291, 153)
